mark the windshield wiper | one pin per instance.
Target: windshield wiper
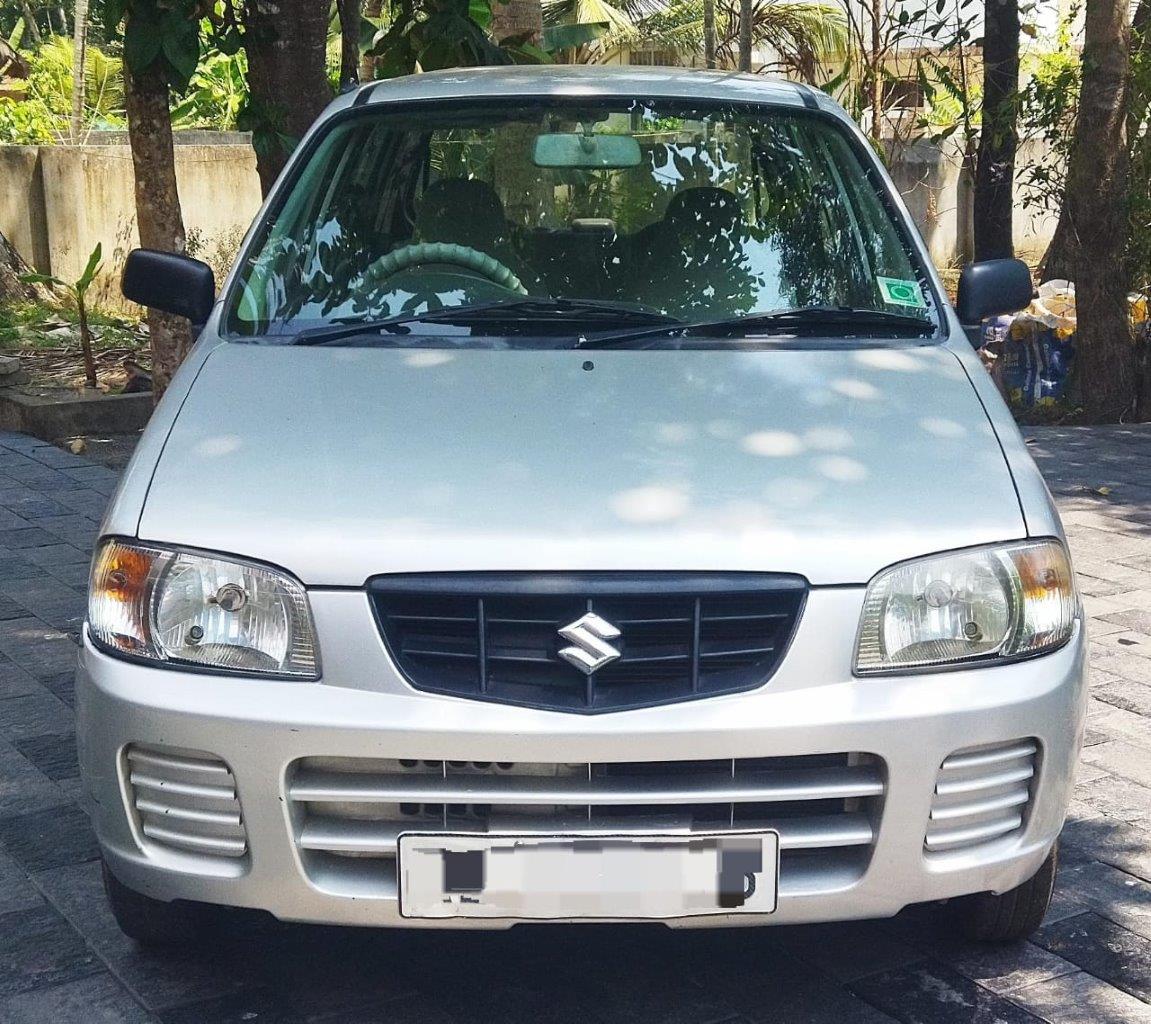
(840, 320)
(527, 310)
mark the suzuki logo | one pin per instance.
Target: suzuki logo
(589, 635)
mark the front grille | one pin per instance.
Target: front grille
(981, 794)
(348, 813)
(495, 637)
(186, 800)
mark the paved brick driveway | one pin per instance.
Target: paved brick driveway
(62, 959)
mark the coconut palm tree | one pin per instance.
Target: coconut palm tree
(799, 32)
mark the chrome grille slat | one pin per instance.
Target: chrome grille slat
(186, 801)
(981, 794)
(348, 813)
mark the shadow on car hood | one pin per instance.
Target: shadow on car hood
(341, 463)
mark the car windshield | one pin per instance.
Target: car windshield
(695, 212)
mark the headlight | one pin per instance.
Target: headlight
(983, 604)
(197, 609)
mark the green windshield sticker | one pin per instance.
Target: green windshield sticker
(901, 293)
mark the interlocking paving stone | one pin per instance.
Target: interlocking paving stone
(1004, 969)
(54, 754)
(936, 993)
(50, 838)
(1108, 841)
(1124, 898)
(48, 952)
(14, 681)
(34, 715)
(37, 647)
(1082, 998)
(99, 999)
(15, 892)
(49, 600)
(63, 685)
(1104, 949)
(23, 787)
(58, 554)
(1122, 758)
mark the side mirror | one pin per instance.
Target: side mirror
(175, 284)
(992, 288)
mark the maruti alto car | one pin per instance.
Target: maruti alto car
(581, 504)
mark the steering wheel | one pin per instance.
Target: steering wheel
(462, 256)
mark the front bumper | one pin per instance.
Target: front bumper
(363, 709)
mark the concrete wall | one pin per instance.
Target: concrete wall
(57, 202)
(22, 213)
(929, 177)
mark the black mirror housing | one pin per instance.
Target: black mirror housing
(167, 281)
(992, 288)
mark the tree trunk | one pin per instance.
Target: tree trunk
(79, 60)
(349, 12)
(709, 33)
(12, 268)
(876, 81)
(30, 23)
(158, 218)
(745, 16)
(287, 80)
(517, 19)
(1091, 236)
(372, 11)
(998, 138)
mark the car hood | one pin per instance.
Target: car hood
(341, 463)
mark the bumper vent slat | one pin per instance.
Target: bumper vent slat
(350, 812)
(186, 801)
(495, 637)
(981, 795)
(347, 835)
(764, 787)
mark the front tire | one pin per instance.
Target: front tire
(150, 922)
(1011, 916)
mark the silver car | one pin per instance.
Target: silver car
(582, 503)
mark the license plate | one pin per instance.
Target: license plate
(633, 876)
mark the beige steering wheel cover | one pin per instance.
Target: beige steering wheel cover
(443, 252)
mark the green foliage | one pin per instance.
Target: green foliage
(166, 35)
(217, 94)
(43, 115)
(51, 81)
(78, 291)
(1048, 107)
(26, 123)
(79, 288)
(437, 34)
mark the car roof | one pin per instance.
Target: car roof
(590, 80)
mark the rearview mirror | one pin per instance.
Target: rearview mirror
(584, 149)
(992, 288)
(167, 281)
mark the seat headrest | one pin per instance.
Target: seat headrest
(461, 210)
